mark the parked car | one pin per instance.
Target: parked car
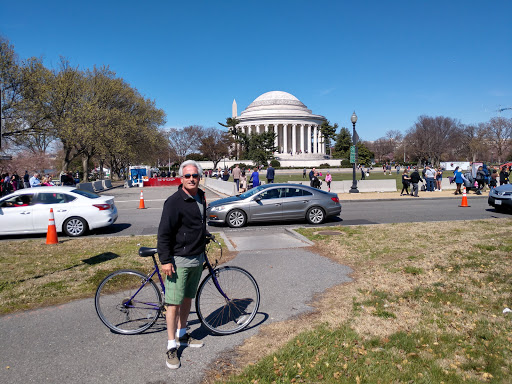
(501, 197)
(75, 211)
(275, 202)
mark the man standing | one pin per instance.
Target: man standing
(181, 246)
(415, 179)
(236, 176)
(304, 173)
(270, 174)
(34, 181)
(430, 176)
(255, 178)
(312, 173)
(26, 180)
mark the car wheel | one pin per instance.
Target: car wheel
(74, 226)
(236, 218)
(315, 215)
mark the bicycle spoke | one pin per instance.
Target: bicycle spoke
(226, 316)
(125, 305)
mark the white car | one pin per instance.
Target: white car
(75, 211)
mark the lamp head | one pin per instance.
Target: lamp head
(353, 118)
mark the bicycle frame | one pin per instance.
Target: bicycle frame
(144, 282)
(156, 271)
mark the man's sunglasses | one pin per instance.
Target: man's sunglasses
(188, 175)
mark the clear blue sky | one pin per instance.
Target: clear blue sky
(390, 61)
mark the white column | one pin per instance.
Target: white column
(266, 127)
(276, 140)
(294, 138)
(285, 138)
(308, 140)
(321, 143)
(315, 139)
(302, 138)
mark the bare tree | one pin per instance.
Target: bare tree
(185, 141)
(472, 142)
(215, 145)
(383, 149)
(499, 133)
(430, 137)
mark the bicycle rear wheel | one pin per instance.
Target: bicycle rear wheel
(222, 316)
(126, 304)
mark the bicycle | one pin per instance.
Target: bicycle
(130, 302)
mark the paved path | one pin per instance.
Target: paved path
(68, 343)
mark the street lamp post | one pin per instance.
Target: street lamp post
(354, 189)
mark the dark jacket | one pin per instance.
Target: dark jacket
(270, 173)
(315, 182)
(182, 230)
(415, 177)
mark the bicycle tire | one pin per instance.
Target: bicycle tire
(224, 317)
(116, 311)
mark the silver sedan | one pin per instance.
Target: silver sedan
(275, 202)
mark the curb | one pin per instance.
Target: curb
(299, 236)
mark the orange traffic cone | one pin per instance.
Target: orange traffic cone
(141, 203)
(51, 235)
(464, 199)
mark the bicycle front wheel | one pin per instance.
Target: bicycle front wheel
(127, 303)
(223, 315)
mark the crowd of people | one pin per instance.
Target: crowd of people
(432, 178)
(13, 182)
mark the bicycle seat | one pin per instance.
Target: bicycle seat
(146, 251)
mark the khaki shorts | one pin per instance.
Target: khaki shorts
(182, 284)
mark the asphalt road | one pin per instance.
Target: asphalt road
(133, 221)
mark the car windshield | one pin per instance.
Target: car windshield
(88, 194)
(251, 192)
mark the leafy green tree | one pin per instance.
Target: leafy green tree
(261, 147)
(329, 133)
(364, 155)
(343, 143)
(231, 124)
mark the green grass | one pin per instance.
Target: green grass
(282, 177)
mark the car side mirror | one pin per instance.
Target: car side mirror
(257, 198)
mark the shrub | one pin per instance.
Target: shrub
(346, 163)
(325, 165)
(275, 163)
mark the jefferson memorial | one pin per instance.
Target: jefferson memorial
(297, 128)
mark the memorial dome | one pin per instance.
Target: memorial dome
(276, 103)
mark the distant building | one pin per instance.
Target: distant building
(297, 129)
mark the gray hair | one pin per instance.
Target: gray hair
(190, 162)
